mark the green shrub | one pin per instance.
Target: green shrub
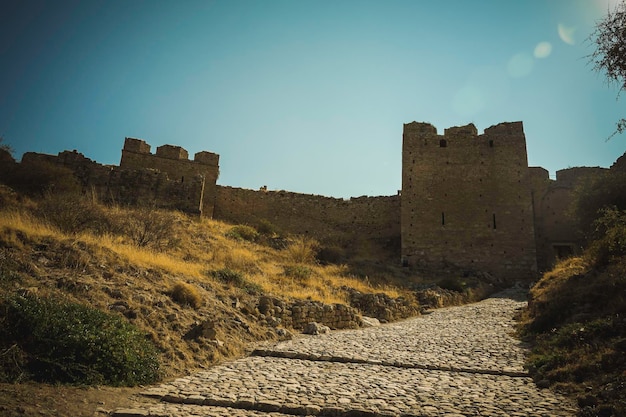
(297, 271)
(610, 236)
(60, 341)
(243, 232)
(237, 279)
(266, 228)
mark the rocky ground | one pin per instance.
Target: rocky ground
(457, 361)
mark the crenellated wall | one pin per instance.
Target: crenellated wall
(173, 160)
(468, 200)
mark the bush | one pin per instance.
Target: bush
(302, 250)
(297, 271)
(150, 228)
(72, 213)
(186, 294)
(237, 279)
(610, 236)
(266, 228)
(596, 193)
(242, 232)
(59, 341)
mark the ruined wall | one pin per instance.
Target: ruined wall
(556, 230)
(466, 199)
(173, 160)
(352, 224)
(127, 187)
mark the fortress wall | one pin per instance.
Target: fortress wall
(557, 230)
(152, 188)
(466, 199)
(540, 182)
(349, 223)
(174, 161)
(127, 187)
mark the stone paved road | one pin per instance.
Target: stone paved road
(459, 361)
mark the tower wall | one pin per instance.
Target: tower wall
(466, 199)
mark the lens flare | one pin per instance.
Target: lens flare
(543, 50)
(520, 65)
(566, 33)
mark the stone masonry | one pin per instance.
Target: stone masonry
(454, 362)
(468, 201)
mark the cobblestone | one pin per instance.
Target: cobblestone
(459, 361)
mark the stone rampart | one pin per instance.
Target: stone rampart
(147, 187)
(173, 160)
(468, 200)
(350, 224)
(557, 233)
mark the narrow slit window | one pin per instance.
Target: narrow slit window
(494, 220)
(491, 143)
(443, 218)
(443, 143)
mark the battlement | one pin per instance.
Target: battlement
(136, 145)
(468, 200)
(172, 152)
(506, 129)
(468, 131)
(206, 158)
(174, 161)
(459, 140)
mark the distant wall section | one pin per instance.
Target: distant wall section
(362, 223)
(557, 232)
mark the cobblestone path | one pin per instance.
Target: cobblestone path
(458, 361)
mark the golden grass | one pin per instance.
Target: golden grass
(145, 258)
(204, 247)
(25, 223)
(186, 294)
(561, 272)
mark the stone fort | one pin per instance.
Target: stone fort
(468, 201)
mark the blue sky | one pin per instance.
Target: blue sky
(300, 95)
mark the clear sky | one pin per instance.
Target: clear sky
(303, 95)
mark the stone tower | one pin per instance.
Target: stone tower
(173, 160)
(466, 200)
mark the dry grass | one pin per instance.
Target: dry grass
(12, 221)
(202, 246)
(186, 294)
